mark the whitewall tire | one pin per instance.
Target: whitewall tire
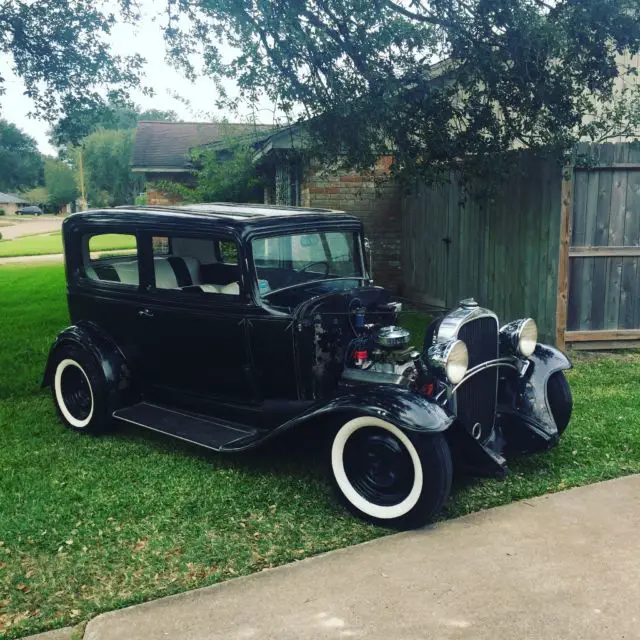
(79, 390)
(389, 476)
(72, 415)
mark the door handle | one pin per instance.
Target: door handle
(145, 313)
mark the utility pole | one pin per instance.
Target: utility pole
(83, 194)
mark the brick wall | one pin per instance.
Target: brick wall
(10, 207)
(375, 199)
(159, 198)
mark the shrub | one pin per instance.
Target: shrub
(2, 212)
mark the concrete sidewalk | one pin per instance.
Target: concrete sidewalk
(562, 566)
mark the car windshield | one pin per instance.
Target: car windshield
(294, 259)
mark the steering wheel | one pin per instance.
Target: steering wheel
(312, 264)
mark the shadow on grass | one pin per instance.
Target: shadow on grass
(298, 452)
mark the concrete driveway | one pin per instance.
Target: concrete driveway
(563, 566)
(30, 226)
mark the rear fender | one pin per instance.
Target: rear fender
(107, 355)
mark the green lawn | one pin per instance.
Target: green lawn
(90, 524)
(52, 243)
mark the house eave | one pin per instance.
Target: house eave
(160, 170)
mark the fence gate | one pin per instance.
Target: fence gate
(603, 308)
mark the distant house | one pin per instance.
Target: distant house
(162, 150)
(10, 203)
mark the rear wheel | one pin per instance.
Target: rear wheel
(79, 390)
(388, 476)
(560, 400)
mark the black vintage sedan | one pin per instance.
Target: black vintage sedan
(227, 325)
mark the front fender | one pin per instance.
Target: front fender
(110, 359)
(530, 405)
(544, 362)
(403, 407)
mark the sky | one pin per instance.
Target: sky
(146, 39)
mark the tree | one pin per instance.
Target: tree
(37, 195)
(105, 137)
(75, 126)
(224, 173)
(59, 49)
(60, 182)
(21, 164)
(107, 165)
(508, 73)
(157, 115)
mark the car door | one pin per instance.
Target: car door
(104, 270)
(193, 337)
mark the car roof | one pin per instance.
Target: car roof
(240, 217)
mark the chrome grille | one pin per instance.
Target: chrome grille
(475, 400)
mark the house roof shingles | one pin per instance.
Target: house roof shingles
(166, 145)
(9, 198)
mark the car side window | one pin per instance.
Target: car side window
(196, 265)
(111, 257)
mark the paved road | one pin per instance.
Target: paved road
(565, 567)
(31, 227)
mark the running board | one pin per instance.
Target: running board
(190, 427)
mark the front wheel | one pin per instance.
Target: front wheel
(390, 477)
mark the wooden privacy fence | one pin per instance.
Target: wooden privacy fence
(603, 308)
(504, 250)
(558, 244)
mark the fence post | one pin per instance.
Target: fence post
(566, 221)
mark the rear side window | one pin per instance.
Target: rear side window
(111, 257)
(197, 265)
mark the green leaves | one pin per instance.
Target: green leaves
(60, 182)
(21, 165)
(513, 73)
(224, 172)
(59, 49)
(107, 162)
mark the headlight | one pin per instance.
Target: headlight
(520, 336)
(449, 358)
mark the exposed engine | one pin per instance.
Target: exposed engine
(384, 356)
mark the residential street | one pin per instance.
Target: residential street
(560, 566)
(31, 226)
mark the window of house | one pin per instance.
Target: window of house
(111, 257)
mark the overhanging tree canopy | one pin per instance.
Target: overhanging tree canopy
(515, 72)
(59, 49)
